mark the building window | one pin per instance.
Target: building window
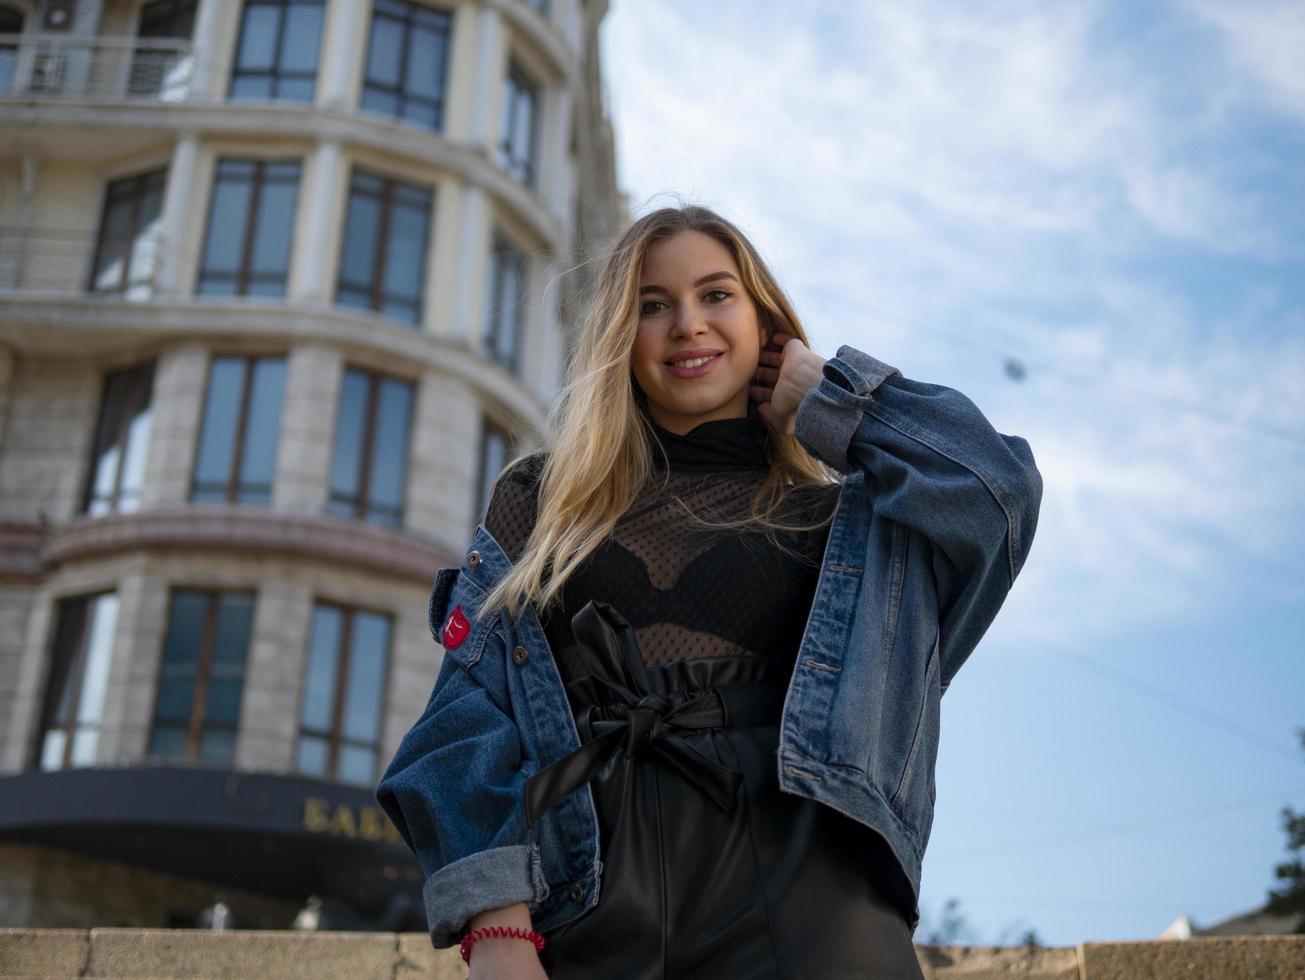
(167, 18)
(506, 306)
(384, 256)
(162, 69)
(517, 145)
(406, 61)
(11, 22)
(344, 694)
(277, 54)
(495, 451)
(122, 437)
(250, 223)
(242, 421)
(78, 680)
(202, 675)
(127, 249)
(370, 460)
(540, 5)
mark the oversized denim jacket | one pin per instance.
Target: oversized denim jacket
(934, 521)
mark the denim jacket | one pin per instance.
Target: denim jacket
(935, 517)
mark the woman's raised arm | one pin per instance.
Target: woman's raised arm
(937, 466)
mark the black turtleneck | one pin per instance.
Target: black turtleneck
(688, 590)
(715, 446)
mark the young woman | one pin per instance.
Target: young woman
(687, 717)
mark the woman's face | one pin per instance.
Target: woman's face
(692, 303)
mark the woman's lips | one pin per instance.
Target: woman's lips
(693, 372)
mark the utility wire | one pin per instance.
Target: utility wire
(1110, 830)
(1098, 384)
(1178, 704)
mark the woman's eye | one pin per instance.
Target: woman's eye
(644, 311)
(723, 293)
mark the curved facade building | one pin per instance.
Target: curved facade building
(283, 285)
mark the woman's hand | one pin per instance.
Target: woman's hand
(786, 371)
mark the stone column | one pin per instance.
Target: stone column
(487, 84)
(203, 78)
(274, 671)
(443, 461)
(175, 415)
(547, 375)
(472, 264)
(29, 682)
(303, 458)
(344, 36)
(133, 669)
(321, 204)
(555, 162)
(17, 603)
(177, 198)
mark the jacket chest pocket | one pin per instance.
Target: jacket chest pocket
(455, 601)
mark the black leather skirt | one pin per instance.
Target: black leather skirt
(709, 870)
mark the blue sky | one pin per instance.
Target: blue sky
(1114, 195)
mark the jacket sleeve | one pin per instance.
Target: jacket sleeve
(934, 464)
(454, 791)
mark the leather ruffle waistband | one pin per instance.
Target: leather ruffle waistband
(618, 710)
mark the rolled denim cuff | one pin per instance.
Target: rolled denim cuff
(478, 882)
(829, 413)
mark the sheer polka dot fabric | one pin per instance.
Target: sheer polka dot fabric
(688, 591)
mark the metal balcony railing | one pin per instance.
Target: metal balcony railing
(52, 66)
(72, 262)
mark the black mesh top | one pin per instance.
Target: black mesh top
(687, 591)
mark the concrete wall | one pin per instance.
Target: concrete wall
(409, 956)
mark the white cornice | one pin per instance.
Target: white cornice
(91, 326)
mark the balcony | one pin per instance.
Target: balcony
(63, 262)
(39, 67)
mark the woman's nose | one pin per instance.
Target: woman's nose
(689, 321)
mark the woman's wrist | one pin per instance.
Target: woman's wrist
(486, 938)
(507, 931)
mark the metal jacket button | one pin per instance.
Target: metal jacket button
(473, 558)
(519, 655)
(576, 893)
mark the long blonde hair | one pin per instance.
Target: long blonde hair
(600, 457)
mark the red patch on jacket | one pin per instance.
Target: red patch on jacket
(455, 630)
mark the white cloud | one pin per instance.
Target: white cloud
(1268, 41)
(929, 180)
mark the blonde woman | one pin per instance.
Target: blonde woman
(688, 713)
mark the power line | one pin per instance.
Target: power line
(1159, 694)
(1168, 404)
(1097, 384)
(1110, 830)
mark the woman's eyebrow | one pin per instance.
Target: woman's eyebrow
(709, 277)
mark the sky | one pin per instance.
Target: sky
(1110, 197)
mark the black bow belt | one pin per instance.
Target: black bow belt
(642, 723)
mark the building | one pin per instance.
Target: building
(283, 284)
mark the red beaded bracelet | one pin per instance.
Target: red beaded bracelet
(514, 932)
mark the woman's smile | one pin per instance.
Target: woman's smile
(693, 367)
